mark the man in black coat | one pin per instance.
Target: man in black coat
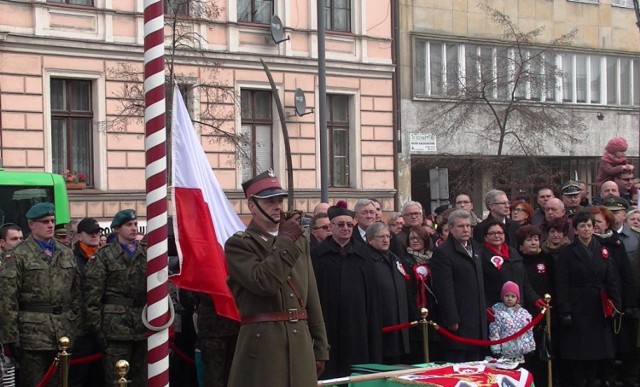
(349, 297)
(498, 204)
(459, 287)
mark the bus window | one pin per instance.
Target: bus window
(15, 201)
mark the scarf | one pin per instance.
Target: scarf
(88, 251)
(503, 251)
(420, 258)
(48, 247)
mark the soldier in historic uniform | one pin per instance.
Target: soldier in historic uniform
(115, 289)
(282, 339)
(40, 298)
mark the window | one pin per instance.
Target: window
(255, 11)
(338, 128)
(586, 1)
(257, 128)
(622, 3)
(73, 2)
(337, 15)
(445, 69)
(72, 126)
(176, 7)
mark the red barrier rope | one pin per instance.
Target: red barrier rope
(398, 327)
(86, 359)
(181, 354)
(486, 343)
(50, 372)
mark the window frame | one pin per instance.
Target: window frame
(68, 3)
(330, 25)
(254, 122)
(184, 8)
(69, 115)
(254, 12)
(557, 66)
(343, 126)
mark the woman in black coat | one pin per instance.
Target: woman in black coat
(502, 263)
(583, 272)
(417, 263)
(540, 269)
(624, 339)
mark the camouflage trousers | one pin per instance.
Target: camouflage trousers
(217, 355)
(33, 366)
(135, 352)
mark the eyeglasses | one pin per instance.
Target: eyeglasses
(517, 209)
(325, 227)
(629, 179)
(495, 233)
(344, 224)
(397, 224)
(382, 237)
(507, 203)
(413, 214)
(415, 239)
(46, 221)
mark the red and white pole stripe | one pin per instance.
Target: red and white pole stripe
(156, 184)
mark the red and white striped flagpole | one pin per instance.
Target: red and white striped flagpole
(157, 311)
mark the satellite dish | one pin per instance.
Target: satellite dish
(300, 103)
(277, 30)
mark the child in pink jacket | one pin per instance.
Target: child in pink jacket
(511, 318)
(613, 161)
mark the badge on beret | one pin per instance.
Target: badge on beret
(605, 253)
(541, 268)
(497, 261)
(271, 173)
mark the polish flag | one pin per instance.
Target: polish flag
(204, 219)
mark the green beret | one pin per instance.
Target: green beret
(40, 210)
(122, 217)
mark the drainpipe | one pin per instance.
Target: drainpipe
(397, 119)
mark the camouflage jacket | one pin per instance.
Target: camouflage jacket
(115, 291)
(29, 279)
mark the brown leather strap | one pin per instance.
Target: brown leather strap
(292, 316)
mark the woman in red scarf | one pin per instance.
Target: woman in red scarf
(501, 263)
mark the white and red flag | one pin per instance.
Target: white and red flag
(203, 216)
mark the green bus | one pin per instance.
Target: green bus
(21, 190)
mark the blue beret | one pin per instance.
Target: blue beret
(40, 210)
(122, 217)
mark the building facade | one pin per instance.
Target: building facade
(449, 47)
(70, 83)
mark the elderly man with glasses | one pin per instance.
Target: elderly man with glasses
(498, 204)
(40, 297)
(349, 297)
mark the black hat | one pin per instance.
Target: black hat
(40, 210)
(122, 217)
(571, 188)
(441, 209)
(263, 186)
(335, 211)
(615, 203)
(89, 225)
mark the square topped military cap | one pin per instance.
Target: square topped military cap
(615, 203)
(40, 210)
(571, 188)
(123, 217)
(263, 186)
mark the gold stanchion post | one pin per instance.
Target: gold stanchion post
(122, 368)
(547, 332)
(63, 356)
(424, 312)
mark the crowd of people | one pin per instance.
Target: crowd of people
(314, 300)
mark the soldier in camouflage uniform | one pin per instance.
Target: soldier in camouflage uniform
(40, 299)
(115, 282)
(217, 336)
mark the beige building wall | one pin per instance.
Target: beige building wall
(606, 27)
(40, 41)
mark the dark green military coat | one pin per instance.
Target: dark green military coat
(112, 275)
(274, 353)
(29, 277)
